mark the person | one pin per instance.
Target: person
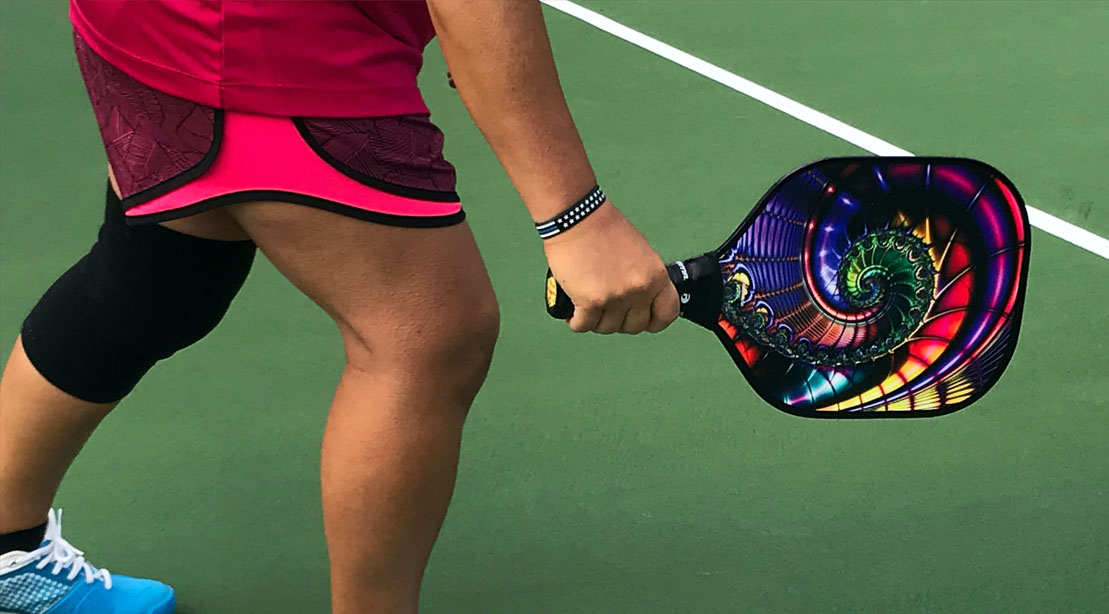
(297, 128)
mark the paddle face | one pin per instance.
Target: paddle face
(877, 287)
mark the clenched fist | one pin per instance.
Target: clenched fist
(616, 280)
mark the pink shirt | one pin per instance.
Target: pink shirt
(316, 58)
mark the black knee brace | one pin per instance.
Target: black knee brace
(141, 294)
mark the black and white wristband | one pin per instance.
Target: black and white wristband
(576, 213)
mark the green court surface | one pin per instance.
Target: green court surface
(615, 474)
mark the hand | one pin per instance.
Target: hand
(616, 280)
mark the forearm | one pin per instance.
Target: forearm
(500, 58)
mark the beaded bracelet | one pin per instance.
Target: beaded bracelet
(576, 213)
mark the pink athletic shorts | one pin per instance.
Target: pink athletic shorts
(172, 157)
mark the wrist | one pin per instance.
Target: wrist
(573, 215)
(591, 230)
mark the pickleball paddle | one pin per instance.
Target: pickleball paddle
(866, 287)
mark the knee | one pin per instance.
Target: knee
(448, 350)
(159, 291)
(178, 304)
(139, 296)
(466, 350)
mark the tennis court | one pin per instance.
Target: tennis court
(616, 474)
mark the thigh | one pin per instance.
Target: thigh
(392, 287)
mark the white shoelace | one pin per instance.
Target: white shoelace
(63, 555)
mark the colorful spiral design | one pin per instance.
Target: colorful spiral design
(874, 284)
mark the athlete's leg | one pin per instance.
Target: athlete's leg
(419, 320)
(42, 426)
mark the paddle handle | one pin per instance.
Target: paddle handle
(698, 281)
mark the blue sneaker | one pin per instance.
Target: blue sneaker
(56, 579)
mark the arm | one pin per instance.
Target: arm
(500, 57)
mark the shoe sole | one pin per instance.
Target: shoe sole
(168, 606)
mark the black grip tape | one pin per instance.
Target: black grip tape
(698, 281)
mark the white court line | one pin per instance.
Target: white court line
(1076, 235)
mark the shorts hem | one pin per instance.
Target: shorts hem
(387, 219)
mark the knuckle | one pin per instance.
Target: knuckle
(660, 322)
(642, 283)
(671, 303)
(590, 301)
